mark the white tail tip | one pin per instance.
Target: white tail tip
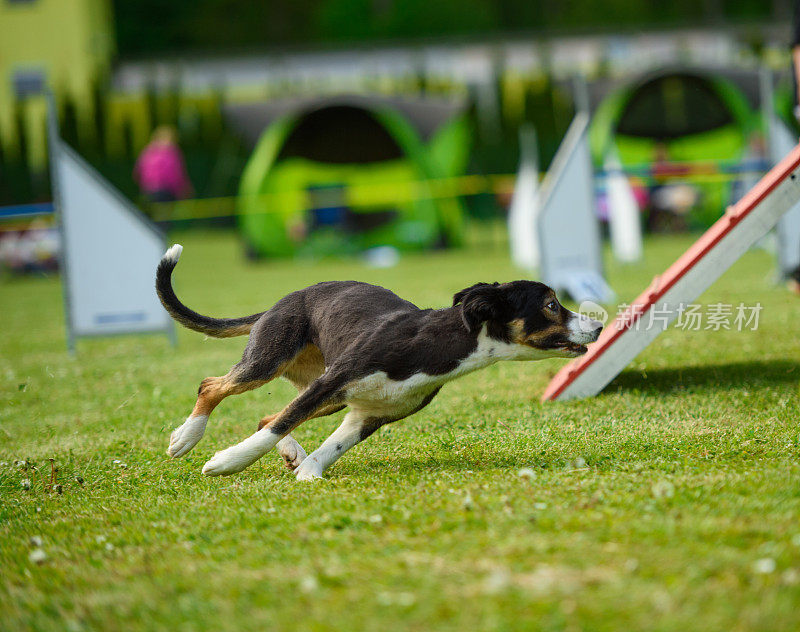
(174, 253)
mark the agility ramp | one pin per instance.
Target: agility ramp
(109, 251)
(720, 246)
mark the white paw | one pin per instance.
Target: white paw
(238, 457)
(186, 436)
(292, 452)
(309, 470)
(225, 463)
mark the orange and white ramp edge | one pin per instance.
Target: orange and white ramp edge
(720, 246)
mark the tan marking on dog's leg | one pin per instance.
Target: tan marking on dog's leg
(266, 420)
(214, 389)
(211, 392)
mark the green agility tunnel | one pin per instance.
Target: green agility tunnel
(680, 116)
(348, 173)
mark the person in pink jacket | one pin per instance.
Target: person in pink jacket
(160, 171)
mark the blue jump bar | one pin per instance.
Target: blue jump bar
(26, 210)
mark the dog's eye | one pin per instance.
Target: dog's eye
(552, 305)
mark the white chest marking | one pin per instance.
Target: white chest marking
(379, 388)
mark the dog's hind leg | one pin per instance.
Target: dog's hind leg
(275, 341)
(211, 392)
(324, 393)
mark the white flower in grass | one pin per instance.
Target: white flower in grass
(631, 565)
(376, 519)
(498, 581)
(764, 566)
(404, 599)
(468, 504)
(526, 472)
(36, 540)
(309, 583)
(663, 489)
(26, 483)
(37, 556)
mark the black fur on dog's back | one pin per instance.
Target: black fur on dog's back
(216, 327)
(369, 328)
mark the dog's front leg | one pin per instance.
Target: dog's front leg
(289, 449)
(356, 426)
(323, 392)
(343, 438)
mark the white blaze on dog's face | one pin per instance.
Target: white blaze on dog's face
(584, 329)
(528, 313)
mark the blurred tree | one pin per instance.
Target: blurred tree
(154, 26)
(364, 19)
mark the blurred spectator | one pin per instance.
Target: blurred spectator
(34, 249)
(160, 170)
(670, 202)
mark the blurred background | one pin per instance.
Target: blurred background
(318, 127)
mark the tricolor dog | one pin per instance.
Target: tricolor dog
(360, 346)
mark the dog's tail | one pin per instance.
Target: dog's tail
(216, 327)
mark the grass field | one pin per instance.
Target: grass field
(669, 502)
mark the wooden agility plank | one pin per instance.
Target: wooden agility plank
(703, 263)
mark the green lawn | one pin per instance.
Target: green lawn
(669, 502)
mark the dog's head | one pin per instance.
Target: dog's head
(527, 313)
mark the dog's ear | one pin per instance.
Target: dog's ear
(480, 303)
(459, 296)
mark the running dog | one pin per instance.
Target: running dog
(351, 344)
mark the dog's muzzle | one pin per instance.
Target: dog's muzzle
(582, 331)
